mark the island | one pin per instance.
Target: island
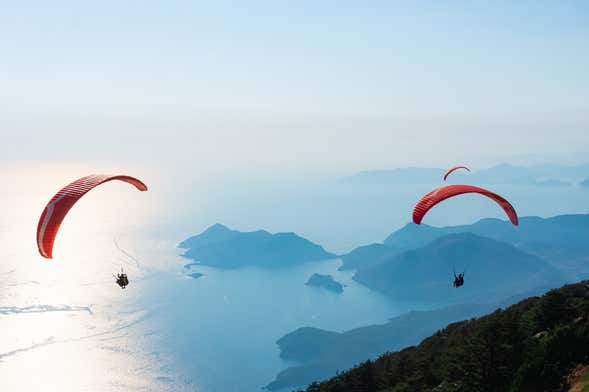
(195, 275)
(221, 247)
(325, 281)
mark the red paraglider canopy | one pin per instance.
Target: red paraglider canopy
(452, 169)
(445, 192)
(59, 205)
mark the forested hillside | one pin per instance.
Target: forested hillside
(530, 346)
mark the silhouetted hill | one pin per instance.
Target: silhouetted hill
(494, 270)
(219, 246)
(531, 346)
(409, 175)
(562, 240)
(214, 234)
(537, 175)
(363, 255)
(524, 175)
(553, 183)
(413, 236)
(534, 234)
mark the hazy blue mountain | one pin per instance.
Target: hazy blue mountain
(221, 247)
(494, 269)
(504, 174)
(417, 261)
(413, 236)
(325, 281)
(553, 183)
(541, 175)
(366, 254)
(214, 234)
(321, 353)
(563, 240)
(585, 183)
(550, 170)
(409, 175)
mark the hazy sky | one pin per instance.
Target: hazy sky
(329, 85)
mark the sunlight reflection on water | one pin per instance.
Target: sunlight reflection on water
(65, 325)
(71, 327)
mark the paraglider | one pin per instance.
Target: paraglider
(437, 195)
(121, 279)
(59, 205)
(434, 197)
(452, 169)
(458, 279)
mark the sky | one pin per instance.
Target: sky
(277, 86)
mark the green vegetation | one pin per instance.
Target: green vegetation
(530, 346)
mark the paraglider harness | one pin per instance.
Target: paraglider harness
(458, 279)
(122, 279)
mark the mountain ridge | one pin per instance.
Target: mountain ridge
(504, 173)
(321, 353)
(562, 240)
(493, 269)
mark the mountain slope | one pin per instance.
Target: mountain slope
(363, 255)
(494, 270)
(409, 175)
(556, 237)
(530, 346)
(537, 175)
(561, 239)
(321, 353)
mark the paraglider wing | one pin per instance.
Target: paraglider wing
(453, 169)
(58, 207)
(445, 192)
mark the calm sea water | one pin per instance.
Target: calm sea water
(75, 330)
